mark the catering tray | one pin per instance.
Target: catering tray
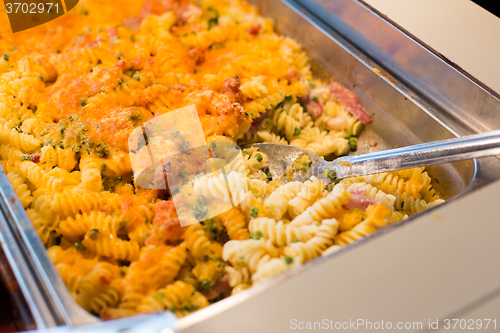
(410, 105)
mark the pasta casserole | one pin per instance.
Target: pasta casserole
(73, 90)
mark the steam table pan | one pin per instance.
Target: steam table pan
(395, 77)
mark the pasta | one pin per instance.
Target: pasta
(73, 91)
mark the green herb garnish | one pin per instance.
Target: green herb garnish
(205, 285)
(256, 234)
(353, 143)
(254, 211)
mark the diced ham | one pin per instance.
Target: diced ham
(197, 54)
(292, 75)
(256, 122)
(220, 287)
(315, 109)
(342, 95)
(111, 32)
(254, 29)
(232, 84)
(358, 199)
(138, 63)
(35, 158)
(122, 65)
(359, 190)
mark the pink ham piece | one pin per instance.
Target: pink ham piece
(254, 29)
(256, 122)
(220, 287)
(342, 95)
(292, 75)
(358, 199)
(35, 158)
(359, 190)
(315, 109)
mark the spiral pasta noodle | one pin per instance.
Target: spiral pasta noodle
(71, 98)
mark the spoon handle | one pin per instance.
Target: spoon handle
(456, 149)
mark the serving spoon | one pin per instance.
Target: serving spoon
(282, 157)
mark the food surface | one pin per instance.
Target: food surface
(72, 92)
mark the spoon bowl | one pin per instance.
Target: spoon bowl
(283, 157)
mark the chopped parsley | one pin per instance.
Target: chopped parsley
(256, 234)
(315, 98)
(297, 131)
(288, 260)
(190, 307)
(205, 285)
(200, 209)
(159, 295)
(241, 262)
(101, 150)
(353, 143)
(258, 157)
(213, 22)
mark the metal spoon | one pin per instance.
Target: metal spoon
(282, 157)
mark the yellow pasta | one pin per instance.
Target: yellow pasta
(72, 92)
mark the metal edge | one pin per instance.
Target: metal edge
(417, 40)
(399, 87)
(486, 169)
(40, 273)
(471, 110)
(21, 272)
(233, 300)
(404, 90)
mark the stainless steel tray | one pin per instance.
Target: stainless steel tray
(408, 109)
